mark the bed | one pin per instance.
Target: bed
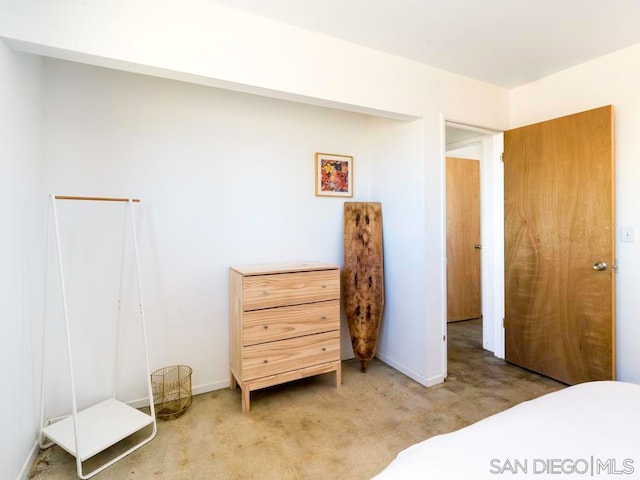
(590, 430)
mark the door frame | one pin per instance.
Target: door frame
(492, 234)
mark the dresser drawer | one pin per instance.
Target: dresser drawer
(260, 326)
(292, 354)
(282, 289)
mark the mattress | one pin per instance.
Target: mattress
(590, 430)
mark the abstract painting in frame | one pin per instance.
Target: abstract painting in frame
(334, 175)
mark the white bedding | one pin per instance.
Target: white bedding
(591, 430)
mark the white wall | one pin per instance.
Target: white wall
(21, 278)
(614, 80)
(225, 178)
(397, 173)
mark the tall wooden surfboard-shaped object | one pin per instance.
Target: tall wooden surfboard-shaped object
(363, 276)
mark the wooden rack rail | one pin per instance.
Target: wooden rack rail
(97, 199)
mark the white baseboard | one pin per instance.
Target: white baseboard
(211, 387)
(26, 467)
(401, 368)
(431, 381)
(206, 388)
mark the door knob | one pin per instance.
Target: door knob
(478, 246)
(599, 266)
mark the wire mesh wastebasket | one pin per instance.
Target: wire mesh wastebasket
(171, 391)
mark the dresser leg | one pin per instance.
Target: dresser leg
(245, 398)
(339, 375)
(233, 384)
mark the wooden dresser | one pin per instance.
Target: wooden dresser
(285, 324)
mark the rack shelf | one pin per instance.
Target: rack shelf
(99, 427)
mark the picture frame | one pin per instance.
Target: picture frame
(334, 175)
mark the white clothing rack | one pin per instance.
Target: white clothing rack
(87, 432)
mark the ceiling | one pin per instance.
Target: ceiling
(504, 42)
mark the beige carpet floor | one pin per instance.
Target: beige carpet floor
(311, 430)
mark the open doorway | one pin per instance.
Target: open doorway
(479, 321)
(463, 233)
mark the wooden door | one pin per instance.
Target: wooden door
(463, 239)
(559, 225)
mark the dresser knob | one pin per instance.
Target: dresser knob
(266, 327)
(324, 317)
(324, 349)
(324, 285)
(265, 361)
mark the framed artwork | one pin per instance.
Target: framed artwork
(334, 175)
